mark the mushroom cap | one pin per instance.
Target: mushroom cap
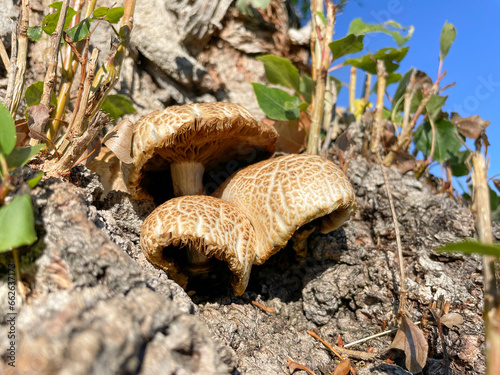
(282, 194)
(209, 226)
(210, 133)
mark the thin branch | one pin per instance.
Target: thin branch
(4, 56)
(379, 108)
(352, 90)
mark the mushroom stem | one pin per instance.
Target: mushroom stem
(187, 178)
(198, 262)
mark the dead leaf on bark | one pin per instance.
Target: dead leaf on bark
(292, 136)
(496, 182)
(22, 131)
(119, 140)
(411, 340)
(405, 161)
(343, 141)
(452, 319)
(294, 366)
(422, 81)
(470, 127)
(38, 116)
(343, 368)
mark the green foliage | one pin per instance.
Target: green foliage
(446, 142)
(494, 199)
(306, 87)
(117, 106)
(390, 56)
(347, 45)
(471, 247)
(19, 157)
(112, 15)
(358, 27)
(32, 182)
(457, 163)
(281, 71)
(33, 95)
(276, 104)
(448, 34)
(35, 33)
(17, 223)
(7, 131)
(244, 6)
(49, 22)
(79, 31)
(397, 103)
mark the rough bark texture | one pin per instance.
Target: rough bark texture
(95, 305)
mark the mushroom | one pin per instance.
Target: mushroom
(206, 225)
(281, 195)
(190, 139)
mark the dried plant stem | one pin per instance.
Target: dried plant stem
(379, 108)
(12, 71)
(482, 213)
(4, 56)
(320, 82)
(329, 116)
(80, 144)
(50, 75)
(402, 292)
(16, 92)
(352, 91)
(325, 344)
(367, 87)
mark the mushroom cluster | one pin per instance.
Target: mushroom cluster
(251, 216)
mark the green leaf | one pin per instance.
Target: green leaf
(400, 91)
(358, 27)
(276, 104)
(117, 106)
(35, 33)
(32, 182)
(80, 31)
(434, 105)
(49, 22)
(457, 163)
(19, 157)
(112, 15)
(306, 87)
(33, 95)
(17, 224)
(281, 71)
(390, 56)
(446, 142)
(494, 199)
(448, 34)
(345, 46)
(471, 247)
(7, 131)
(303, 106)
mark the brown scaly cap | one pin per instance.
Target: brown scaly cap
(207, 133)
(280, 195)
(207, 225)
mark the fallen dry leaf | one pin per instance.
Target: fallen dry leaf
(294, 366)
(38, 116)
(411, 340)
(292, 137)
(343, 368)
(343, 141)
(452, 319)
(405, 161)
(496, 182)
(470, 127)
(119, 140)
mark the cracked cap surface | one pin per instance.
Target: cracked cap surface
(210, 133)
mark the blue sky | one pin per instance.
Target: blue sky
(473, 61)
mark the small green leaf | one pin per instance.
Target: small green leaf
(35, 33)
(19, 157)
(33, 95)
(303, 106)
(80, 31)
(448, 34)
(446, 142)
(494, 199)
(117, 106)
(32, 182)
(306, 87)
(17, 224)
(400, 91)
(434, 105)
(114, 15)
(49, 22)
(281, 71)
(471, 247)
(276, 104)
(390, 56)
(457, 163)
(358, 27)
(347, 45)
(7, 131)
